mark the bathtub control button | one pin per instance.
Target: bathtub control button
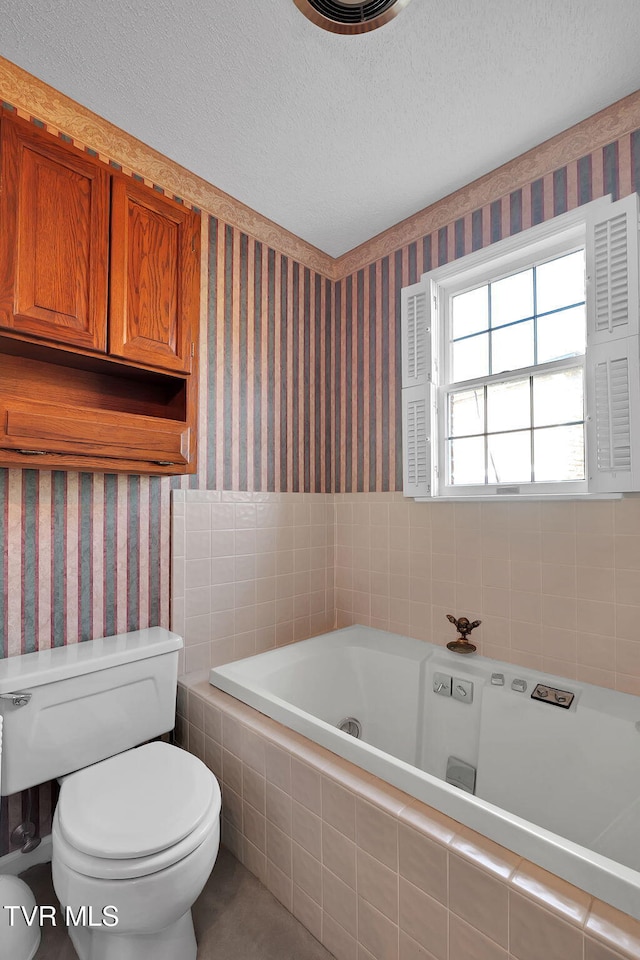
(462, 690)
(559, 698)
(497, 679)
(442, 684)
(519, 685)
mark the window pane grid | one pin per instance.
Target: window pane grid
(492, 473)
(460, 473)
(519, 352)
(515, 396)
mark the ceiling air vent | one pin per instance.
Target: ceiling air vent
(347, 16)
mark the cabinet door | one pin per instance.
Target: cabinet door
(48, 430)
(54, 239)
(155, 277)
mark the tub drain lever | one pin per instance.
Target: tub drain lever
(18, 699)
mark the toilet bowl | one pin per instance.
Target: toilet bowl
(135, 838)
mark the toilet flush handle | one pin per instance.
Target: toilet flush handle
(18, 699)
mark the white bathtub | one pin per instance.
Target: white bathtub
(558, 786)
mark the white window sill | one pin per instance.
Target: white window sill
(525, 498)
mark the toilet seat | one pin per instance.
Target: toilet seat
(136, 813)
(107, 868)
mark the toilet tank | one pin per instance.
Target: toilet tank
(88, 701)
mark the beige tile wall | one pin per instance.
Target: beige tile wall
(556, 585)
(249, 571)
(373, 873)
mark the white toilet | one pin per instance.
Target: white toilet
(137, 828)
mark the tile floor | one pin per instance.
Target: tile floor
(235, 918)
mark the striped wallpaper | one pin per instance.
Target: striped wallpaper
(265, 370)
(84, 556)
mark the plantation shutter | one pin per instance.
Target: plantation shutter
(613, 350)
(416, 441)
(416, 339)
(417, 390)
(612, 272)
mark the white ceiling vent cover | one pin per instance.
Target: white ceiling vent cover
(350, 16)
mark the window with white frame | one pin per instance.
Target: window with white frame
(521, 363)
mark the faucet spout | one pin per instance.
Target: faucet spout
(464, 626)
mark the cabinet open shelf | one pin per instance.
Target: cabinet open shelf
(56, 414)
(46, 373)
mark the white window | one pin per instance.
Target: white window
(521, 364)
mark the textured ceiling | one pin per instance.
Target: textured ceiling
(335, 138)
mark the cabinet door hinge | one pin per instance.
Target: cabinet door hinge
(193, 349)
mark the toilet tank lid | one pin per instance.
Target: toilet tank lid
(76, 659)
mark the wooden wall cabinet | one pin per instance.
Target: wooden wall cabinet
(99, 313)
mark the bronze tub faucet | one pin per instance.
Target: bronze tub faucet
(464, 628)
